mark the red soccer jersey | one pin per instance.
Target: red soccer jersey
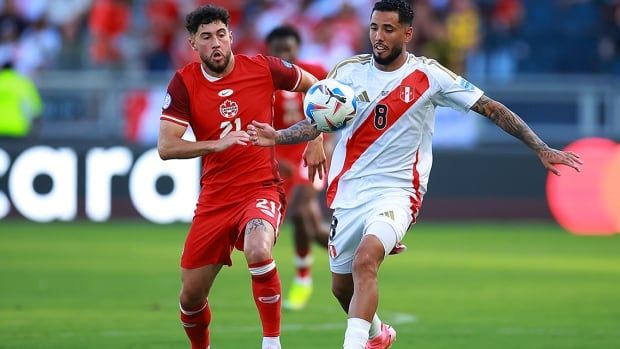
(214, 108)
(288, 110)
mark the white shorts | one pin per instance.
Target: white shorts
(387, 218)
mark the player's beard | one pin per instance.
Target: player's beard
(217, 68)
(397, 51)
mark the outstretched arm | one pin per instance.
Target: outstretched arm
(264, 135)
(171, 145)
(514, 125)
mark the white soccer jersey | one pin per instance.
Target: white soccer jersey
(387, 149)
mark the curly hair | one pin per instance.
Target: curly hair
(405, 13)
(205, 15)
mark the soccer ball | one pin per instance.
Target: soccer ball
(330, 105)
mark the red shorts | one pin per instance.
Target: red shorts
(216, 231)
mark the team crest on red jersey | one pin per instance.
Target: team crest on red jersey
(406, 94)
(229, 109)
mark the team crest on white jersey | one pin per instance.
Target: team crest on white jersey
(229, 109)
(406, 94)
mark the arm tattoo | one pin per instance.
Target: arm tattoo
(255, 224)
(302, 131)
(509, 122)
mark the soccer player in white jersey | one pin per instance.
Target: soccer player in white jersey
(380, 166)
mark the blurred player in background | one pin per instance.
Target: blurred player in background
(241, 201)
(380, 167)
(304, 208)
(20, 104)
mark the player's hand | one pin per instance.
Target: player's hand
(550, 157)
(315, 159)
(232, 138)
(262, 134)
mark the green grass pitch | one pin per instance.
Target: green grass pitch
(466, 285)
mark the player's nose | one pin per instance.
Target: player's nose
(216, 43)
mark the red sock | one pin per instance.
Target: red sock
(196, 325)
(303, 263)
(267, 290)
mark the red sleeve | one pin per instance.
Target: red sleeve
(285, 76)
(176, 103)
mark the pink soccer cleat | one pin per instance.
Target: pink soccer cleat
(384, 340)
(399, 248)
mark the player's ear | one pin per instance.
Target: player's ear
(192, 42)
(230, 36)
(408, 34)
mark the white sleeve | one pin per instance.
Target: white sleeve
(454, 91)
(342, 70)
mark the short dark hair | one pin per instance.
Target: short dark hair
(405, 13)
(205, 15)
(283, 32)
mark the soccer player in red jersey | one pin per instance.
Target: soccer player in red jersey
(304, 208)
(241, 201)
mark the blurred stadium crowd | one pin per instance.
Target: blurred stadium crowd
(473, 37)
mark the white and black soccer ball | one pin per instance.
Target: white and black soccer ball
(330, 105)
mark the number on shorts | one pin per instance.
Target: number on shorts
(267, 207)
(332, 228)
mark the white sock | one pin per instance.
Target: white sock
(306, 281)
(304, 262)
(375, 327)
(271, 343)
(356, 335)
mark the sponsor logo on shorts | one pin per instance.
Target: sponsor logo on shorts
(270, 299)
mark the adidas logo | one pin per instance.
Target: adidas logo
(388, 214)
(363, 97)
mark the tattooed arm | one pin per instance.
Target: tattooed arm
(264, 135)
(509, 122)
(514, 125)
(302, 131)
